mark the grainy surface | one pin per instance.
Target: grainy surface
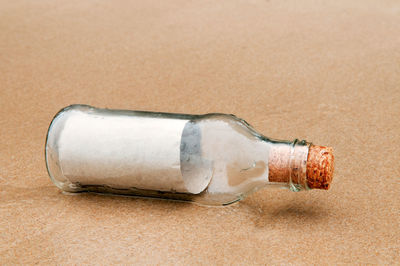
(320, 167)
(324, 71)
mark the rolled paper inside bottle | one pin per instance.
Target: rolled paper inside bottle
(124, 151)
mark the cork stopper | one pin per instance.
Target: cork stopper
(301, 165)
(320, 167)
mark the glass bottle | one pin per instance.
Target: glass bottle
(211, 159)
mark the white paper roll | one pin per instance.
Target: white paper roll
(123, 151)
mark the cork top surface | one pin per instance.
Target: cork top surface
(320, 166)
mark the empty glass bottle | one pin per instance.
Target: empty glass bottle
(212, 159)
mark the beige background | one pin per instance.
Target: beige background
(325, 71)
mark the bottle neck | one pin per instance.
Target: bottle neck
(287, 163)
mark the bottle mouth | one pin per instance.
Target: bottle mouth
(311, 166)
(298, 165)
(287, 164)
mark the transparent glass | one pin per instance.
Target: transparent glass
(211, 159)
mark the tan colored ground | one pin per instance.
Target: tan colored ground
(324, 71)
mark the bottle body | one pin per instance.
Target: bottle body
(212, 159)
